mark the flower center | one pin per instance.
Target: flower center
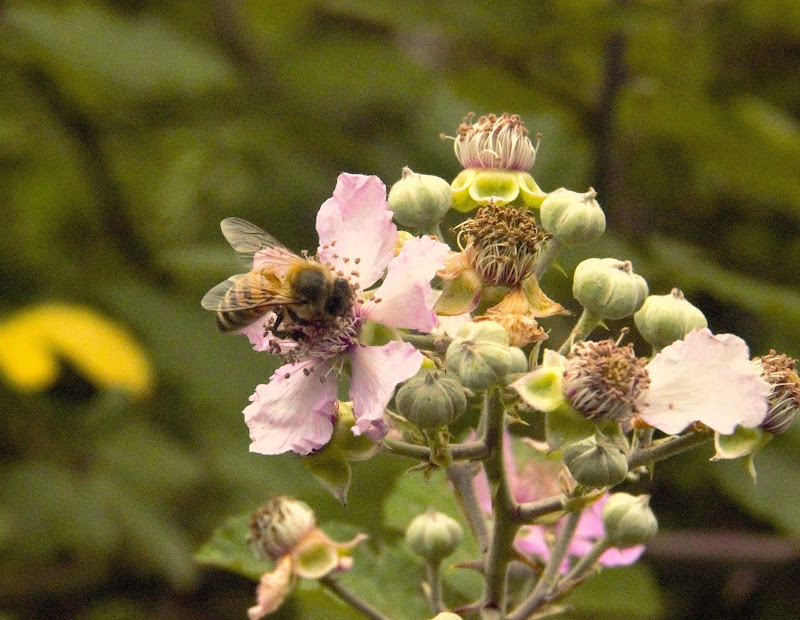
(605, 381)
(784, 401)
(501, 244)
(495, 142)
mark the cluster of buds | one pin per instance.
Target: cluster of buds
(599, 402)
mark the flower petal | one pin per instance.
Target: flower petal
(375, 373)
(272, 589)
(293, 411)
(406, 293)
(356, 223)
(705, 378)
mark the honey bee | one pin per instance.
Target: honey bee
(301, 291)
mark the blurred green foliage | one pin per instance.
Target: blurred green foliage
(128, 129)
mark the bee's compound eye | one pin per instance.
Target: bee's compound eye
(339, 301)
(309, 285)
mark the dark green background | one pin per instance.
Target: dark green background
(129, 129)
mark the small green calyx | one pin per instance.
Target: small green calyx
(479, 355)
(608, 288)
(478, 187)
(628, 520)
(433, 535)
(664, 319)
(420, 200)
(573, 218)
(431, 402)
(595, 463)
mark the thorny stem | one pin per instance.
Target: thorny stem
(470, 451)
(351, 599)
(526, 513)
(582, 329)
(460, 476)
(503, 509)
(549, 577)
(669, 447)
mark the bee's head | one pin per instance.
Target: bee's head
(340, 299)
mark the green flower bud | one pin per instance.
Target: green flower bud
(431, 402)
(595, 463)
(608, 288)
(434, 536)
(479, 354)
(420, 200)
(664, 319)
(573, 218)
(277, 526)
(519, 360)
(628, 520)
(447, 615)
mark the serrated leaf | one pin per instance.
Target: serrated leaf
(228, 549)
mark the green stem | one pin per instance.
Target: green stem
(582, 329)
(435, 583)
(460, 476)
(527, 512)
(470, 451)
(503, 509)
(587, 562)
(669, 447)
(549, 577)
(351, 599)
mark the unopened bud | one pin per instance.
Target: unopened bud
(479, 354)
(277, 526)
(434, 536)
(519, 361)
(573, 218)
(595, 463)
(628, 520)
(420, 200)
(608, 288)
(431, 402)
(664, 319)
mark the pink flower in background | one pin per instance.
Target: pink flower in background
(537, 479)
(296, 410)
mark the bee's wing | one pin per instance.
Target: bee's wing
(244, 291)
(247, 238)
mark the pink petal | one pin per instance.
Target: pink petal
(272, 589)
(375, 373)
(620, 557)
(356, 224)
(406, 299)
(532, 542)
(293, 411)
(705, 378)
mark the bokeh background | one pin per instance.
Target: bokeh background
(128, 129)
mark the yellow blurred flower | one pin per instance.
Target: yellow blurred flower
(35, 340)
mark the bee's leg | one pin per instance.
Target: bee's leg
(297, 319)
(292, 334)
(277, 323)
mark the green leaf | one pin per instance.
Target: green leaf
(625, 592)
(228, 549)
(332, 471)
(93, 50)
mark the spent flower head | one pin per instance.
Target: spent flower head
(780, 372)
(496, 154)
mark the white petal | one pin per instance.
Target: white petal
(375, 373)
(406, 299)
(705, 378)
(356, 225)
(293, 411)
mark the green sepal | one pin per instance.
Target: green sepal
(332, 471)
(564, 425)
(742, 443)
(530, 194)
(461, 198)
(494, 184)
(542, 389)
(460, 294)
